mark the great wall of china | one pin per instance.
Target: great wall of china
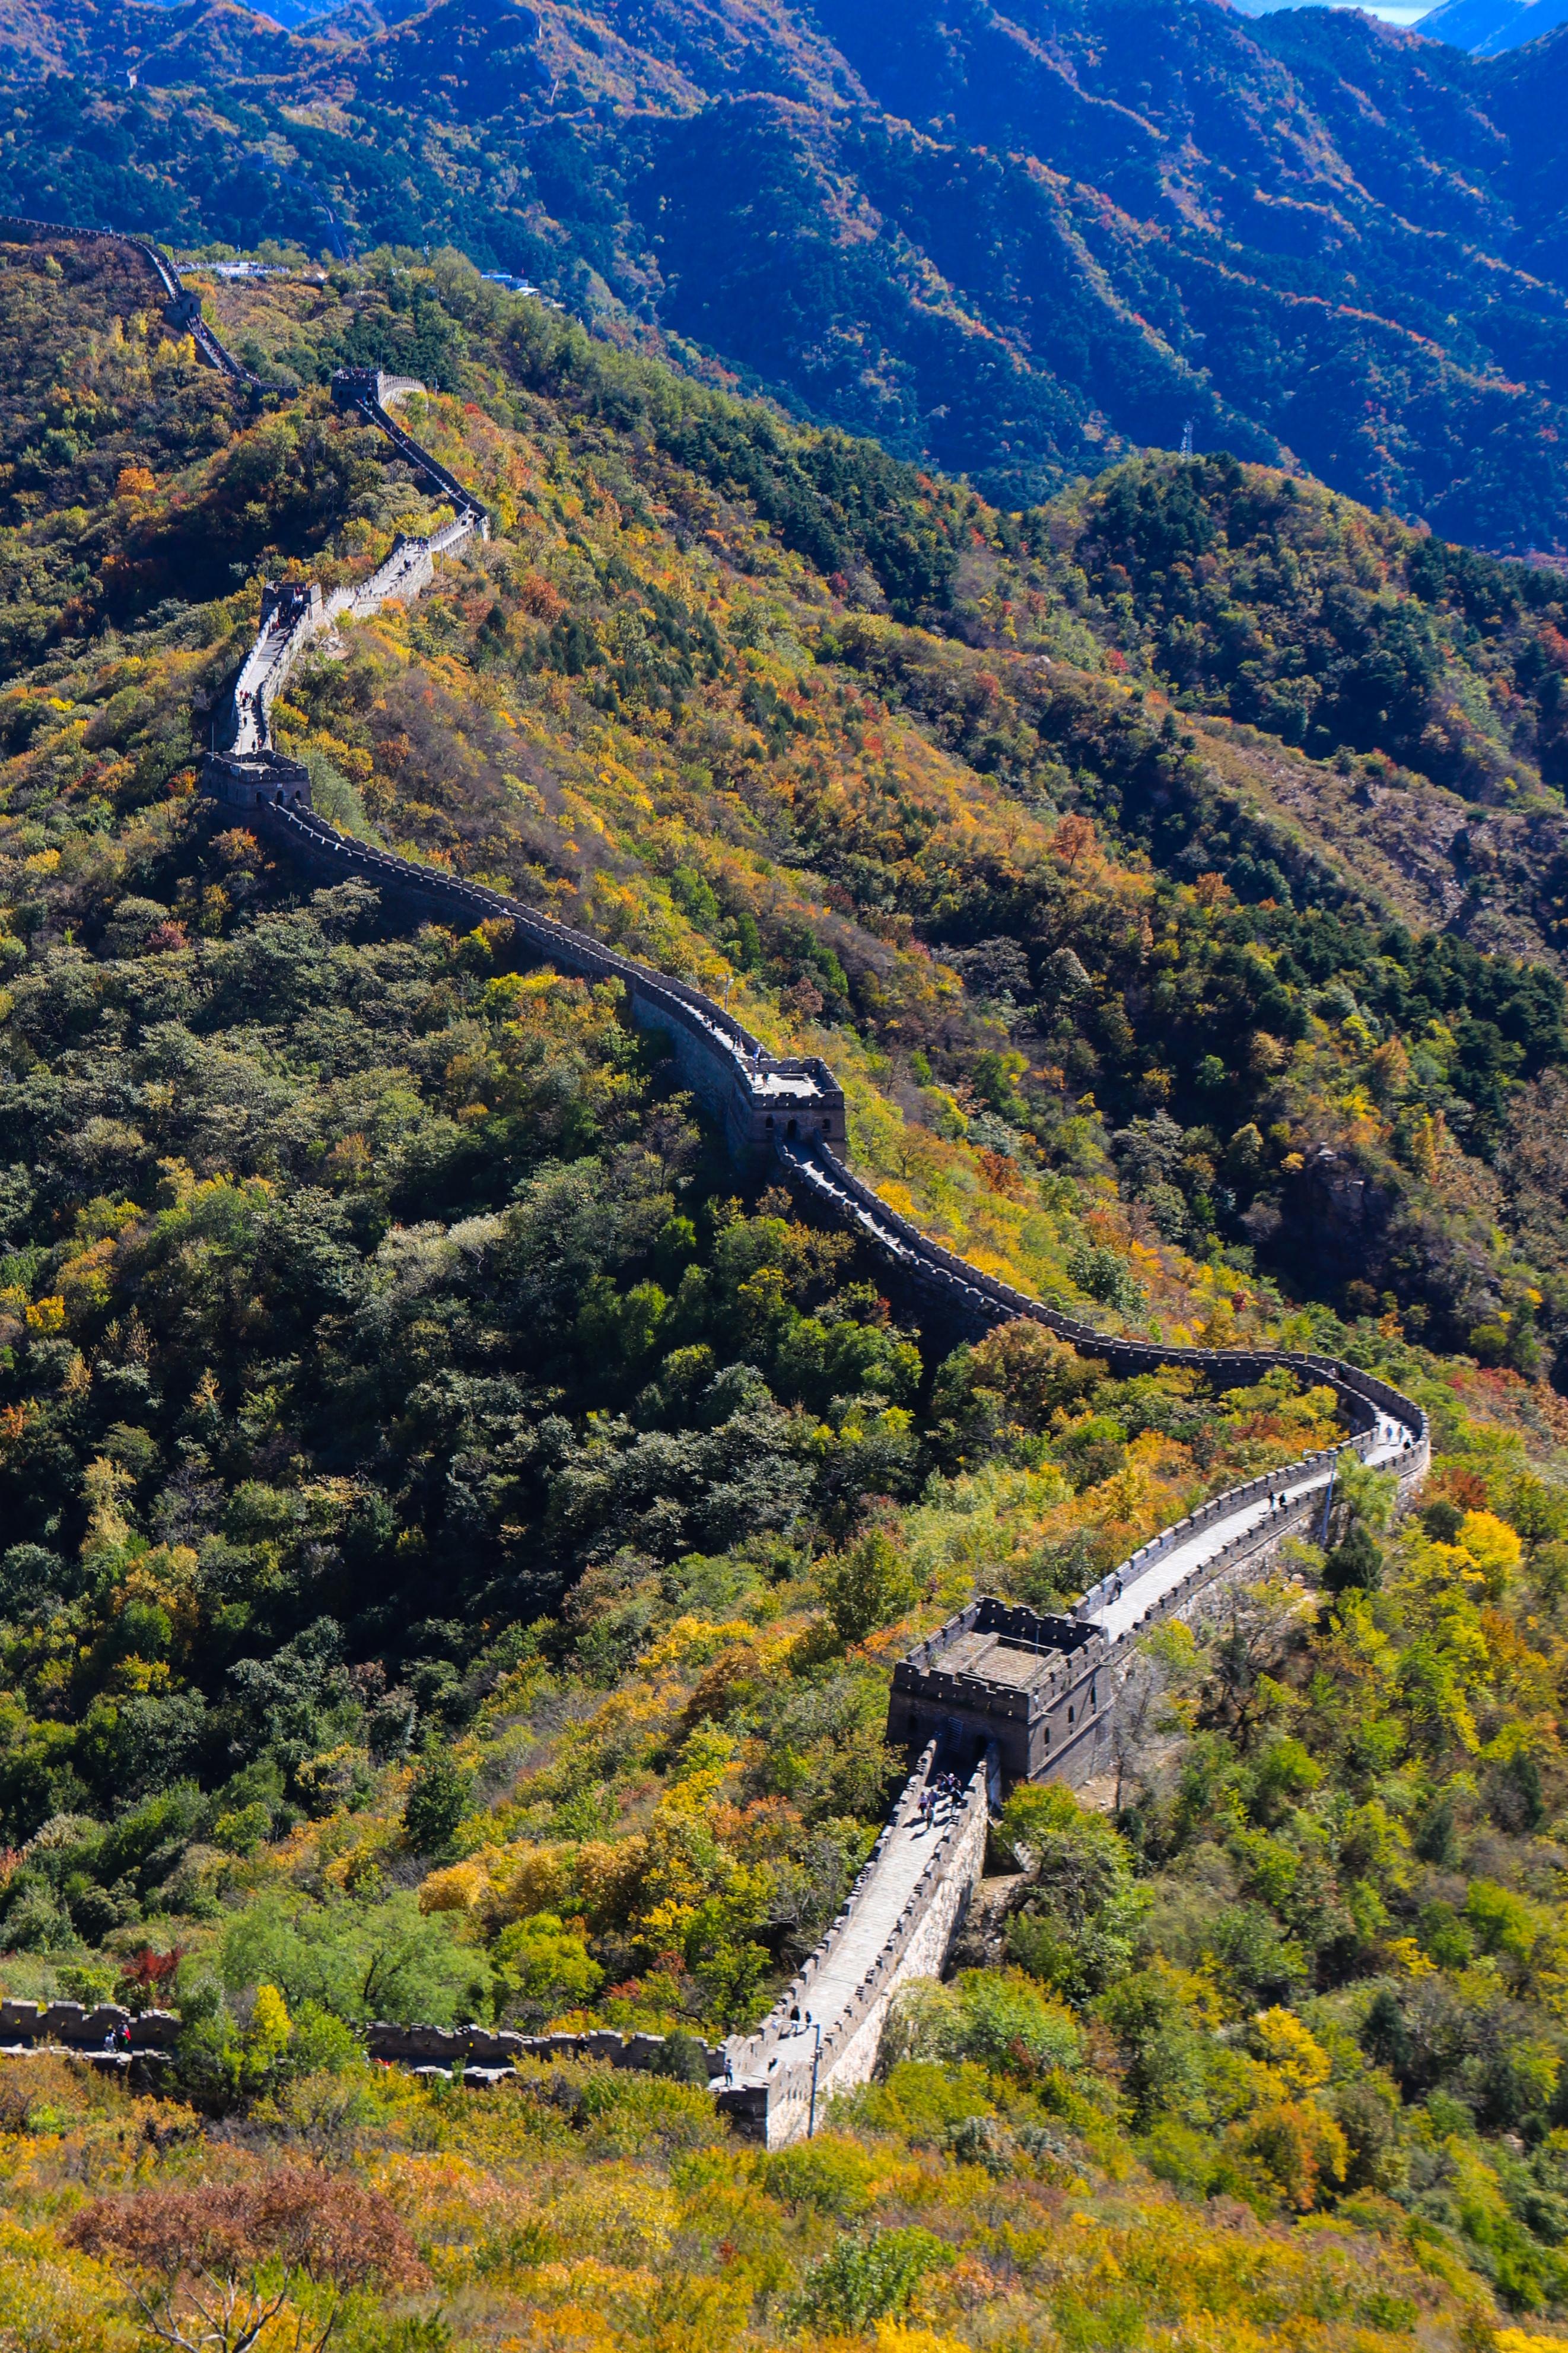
(1001, 1692)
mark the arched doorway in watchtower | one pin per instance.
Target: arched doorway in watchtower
(959, 1747)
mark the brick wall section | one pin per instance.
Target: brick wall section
(744, 1090)
(181, 309)
(133, 2047)
(921, 1944)
(770, 2096)
(71, 2026)
(753, 2052)
(441, 2048)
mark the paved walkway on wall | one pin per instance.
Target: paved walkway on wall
(1119, 1618)
(877, 1913)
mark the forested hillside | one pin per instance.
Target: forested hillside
(457, 1534)
(1016, 245)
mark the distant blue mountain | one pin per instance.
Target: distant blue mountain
(1488, 27)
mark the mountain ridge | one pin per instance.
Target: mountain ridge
(458, 1540)
(981, 238)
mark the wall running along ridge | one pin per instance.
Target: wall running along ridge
(902, 1911)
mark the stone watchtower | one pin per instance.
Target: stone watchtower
(352, 387)
(184, 309)
(1039, 1687)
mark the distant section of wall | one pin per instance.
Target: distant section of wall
(748, 1093)
(132, 2046)
(241, 768)
(367, 391)
(982, 1302)
(71, 2026)
(181, 309)
(443, 2047)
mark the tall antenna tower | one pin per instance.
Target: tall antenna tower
(1187, 438)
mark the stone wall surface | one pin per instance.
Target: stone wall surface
(897, 1923)
(72, 2026)
(445, 2047)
